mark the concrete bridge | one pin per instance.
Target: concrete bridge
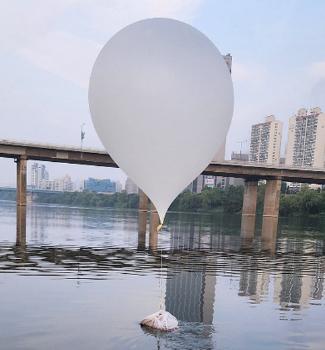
(252, 173)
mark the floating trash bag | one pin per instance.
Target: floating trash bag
(161, 320)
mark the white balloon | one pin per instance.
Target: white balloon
(161, 100)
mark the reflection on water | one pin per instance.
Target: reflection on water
(86, 277)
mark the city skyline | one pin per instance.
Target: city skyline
(40, 179)
(272, 142)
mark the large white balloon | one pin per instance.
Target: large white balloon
(161, 100)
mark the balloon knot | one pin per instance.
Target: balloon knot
(159, 227)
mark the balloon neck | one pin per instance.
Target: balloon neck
(159, 227)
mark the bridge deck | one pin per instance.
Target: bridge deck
(74, 155)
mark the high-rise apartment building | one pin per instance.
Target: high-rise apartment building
(130, 186)
(306, 139)
(63, 184)
(39, 174)
(118, 186)
(266, 141)
(197, 185)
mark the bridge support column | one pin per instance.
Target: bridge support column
(249, 209)
(271, 209)
(143, 201)
(142, 228)
(21, 225)
(142, 218)
(21, 201)
(153, 233)
(21, 181)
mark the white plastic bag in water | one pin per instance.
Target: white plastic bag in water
(161, 320)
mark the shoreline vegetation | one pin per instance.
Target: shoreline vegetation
(229, 200)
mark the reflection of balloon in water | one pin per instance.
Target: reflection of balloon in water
(161, 100)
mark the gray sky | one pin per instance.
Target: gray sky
(48, 49)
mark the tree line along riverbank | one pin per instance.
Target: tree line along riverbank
(229, 200)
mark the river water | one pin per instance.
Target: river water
(85, 278)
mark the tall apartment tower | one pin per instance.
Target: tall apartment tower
(306, 139)
(38, 174)
(266, 141)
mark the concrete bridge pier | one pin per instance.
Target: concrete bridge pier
(249, 210)
(142, 228)
(143, 209)
(153, 232)
(271, 210)
(143, 201)
(21, 201)
(269, 233)
(142, 219)
(21, 180)
(21, 225)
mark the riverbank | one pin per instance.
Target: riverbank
(229, 200)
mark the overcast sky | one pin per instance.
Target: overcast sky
(48, 49)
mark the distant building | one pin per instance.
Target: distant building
(294, 186)
(315, 187)
(100, 185)
(197, 185)
(239, 157)
(78, 186)
(130, 186)
(306, 139)
(118, 186)
(266, 141)
(38, 175)
(40, 180)
(210, 181)
(63, 184)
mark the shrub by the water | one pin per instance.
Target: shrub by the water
(90, 199)
(304, 202)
